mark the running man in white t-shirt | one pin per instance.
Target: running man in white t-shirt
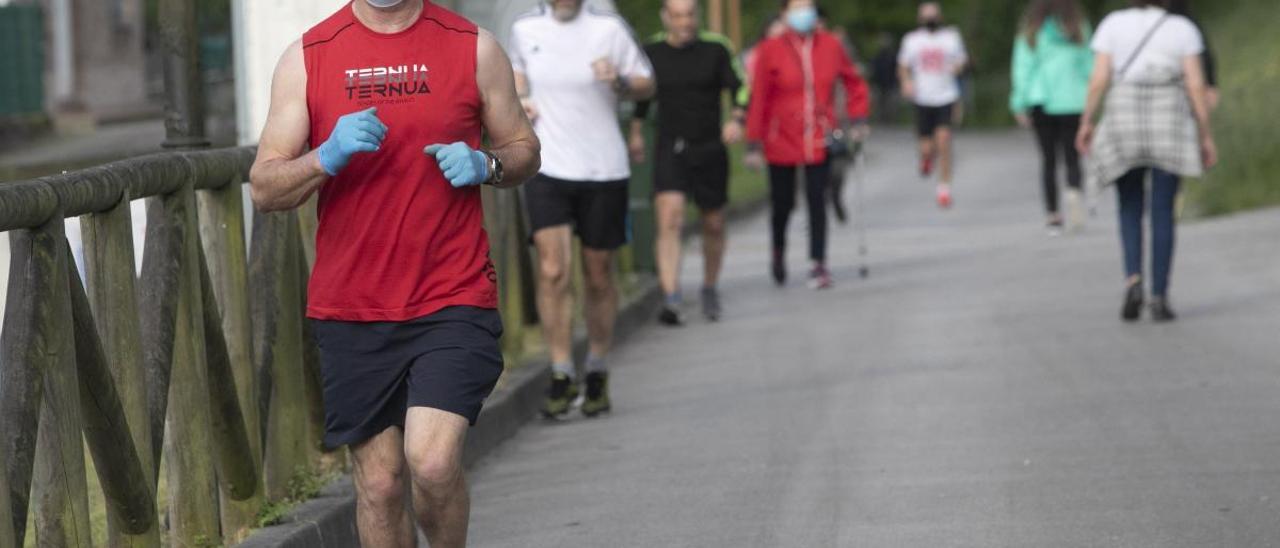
(930, 61)
(573, 65)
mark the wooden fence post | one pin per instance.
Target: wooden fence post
(131, 504)
(312, 382)
(277, 309)
(222, 225)
(109, 271)
(20, 387)
(59, 493)
(193, 516)
(7, 538)
(158, 309)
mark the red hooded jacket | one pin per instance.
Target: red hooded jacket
(792, 91)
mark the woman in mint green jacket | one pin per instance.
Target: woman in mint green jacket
(1051, 67)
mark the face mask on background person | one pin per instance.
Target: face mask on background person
(803, 20)
(932, 24)
(384, 3)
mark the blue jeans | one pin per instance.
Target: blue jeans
(1131, 189)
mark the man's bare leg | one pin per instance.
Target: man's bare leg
(926, 155)
(713, 245)
(601, 299)
(382, 518)
(433, 445)
(942, 139)
(555, 302)
(669, 209)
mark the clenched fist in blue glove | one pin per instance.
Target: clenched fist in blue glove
(462, 165)
(356, 132)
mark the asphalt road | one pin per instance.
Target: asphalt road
(977, 390)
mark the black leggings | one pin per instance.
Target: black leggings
(782, 192)
(1056, 132)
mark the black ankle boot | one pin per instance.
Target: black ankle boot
(1132, 303)
(779, 268)
(1160, 310)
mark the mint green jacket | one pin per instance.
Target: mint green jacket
(1054, 75)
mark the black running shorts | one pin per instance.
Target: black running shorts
(929, 119)
(373, 372)
(699, 170)
(598, 211)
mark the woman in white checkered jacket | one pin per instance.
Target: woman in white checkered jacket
(1156, 122)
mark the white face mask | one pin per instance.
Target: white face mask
(384, 3)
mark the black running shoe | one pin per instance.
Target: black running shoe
(560, 396)
(1132, 303)
(670, 317)
(1160, 310)
(597, 400)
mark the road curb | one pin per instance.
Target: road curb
(328, 521)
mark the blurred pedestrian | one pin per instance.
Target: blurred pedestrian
(573, 64)
(402, 299)
(1051, 67)
(884, 76)
(1147, 66)
(789, 123)
(930, 63)
(694, 69)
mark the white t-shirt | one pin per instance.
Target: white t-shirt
(577, 115)
(1160, 60)
(933, 58)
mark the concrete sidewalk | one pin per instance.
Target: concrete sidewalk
(978, 390)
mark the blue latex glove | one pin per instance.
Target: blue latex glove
(462, 165)
(356, 132)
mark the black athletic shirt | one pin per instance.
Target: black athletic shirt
(690, 80)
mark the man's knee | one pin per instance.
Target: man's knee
(380, 488)
(598, 278)
(670, 209)
(434, 471)
(553, 273)
(943, 137)
(713, 225)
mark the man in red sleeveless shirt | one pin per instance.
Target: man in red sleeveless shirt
(381, 109)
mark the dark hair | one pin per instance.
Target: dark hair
(1067, 12)
(1156, 3)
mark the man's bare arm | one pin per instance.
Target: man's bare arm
(285, 174)
(511, 136)
(640, 88)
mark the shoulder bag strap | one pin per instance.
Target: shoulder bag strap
(1142, 45)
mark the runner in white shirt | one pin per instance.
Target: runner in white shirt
(573, 65)
(929, 62)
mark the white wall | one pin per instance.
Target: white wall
(262, 29)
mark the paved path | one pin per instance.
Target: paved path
(978, 390)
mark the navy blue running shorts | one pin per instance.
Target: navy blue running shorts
(373, 372)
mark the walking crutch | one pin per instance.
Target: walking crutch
(859, 221)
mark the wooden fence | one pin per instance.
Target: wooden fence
(204, 362)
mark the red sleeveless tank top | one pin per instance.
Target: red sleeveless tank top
(395, 240)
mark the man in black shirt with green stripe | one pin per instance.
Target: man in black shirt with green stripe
(693, 69)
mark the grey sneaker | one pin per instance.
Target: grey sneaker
(711, 304)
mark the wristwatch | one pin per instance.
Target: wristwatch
(495, 169)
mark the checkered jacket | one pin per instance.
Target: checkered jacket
(1145, 125)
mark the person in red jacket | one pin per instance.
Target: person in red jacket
(792, 118)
